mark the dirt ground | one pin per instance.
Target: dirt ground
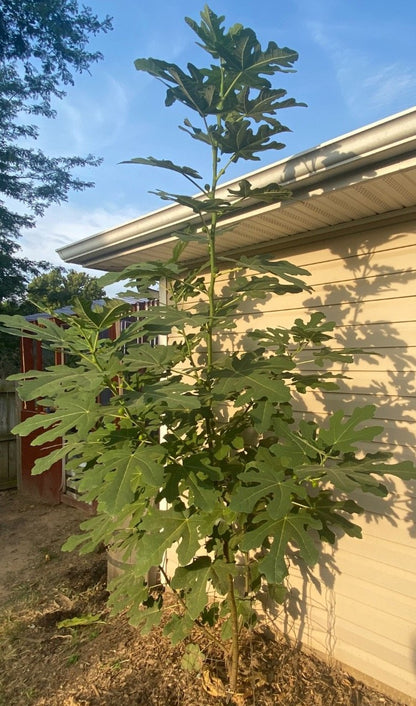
(107, 662)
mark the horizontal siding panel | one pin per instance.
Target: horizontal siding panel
(393, 263)
(375, 245)
(356, 635)
(387, 409)
(351, 292)
(400, 452)
(402, 333)
(336, 263)
(383, 246)
(388, 541)
(377, 382)
(393, 363)
(382, 629)
(391, 584)
(366, 582)
(375, 656)
(400, 678)
(393, 433)
(354, 622)
(357, 601)
(360, 380)
(357, 301)
(366, 333)
(351, 313)
(393, 368)
(345, 261)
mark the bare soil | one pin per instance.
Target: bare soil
(109, 663)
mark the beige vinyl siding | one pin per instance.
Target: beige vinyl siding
(360, 608)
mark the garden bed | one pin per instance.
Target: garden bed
(107, 662)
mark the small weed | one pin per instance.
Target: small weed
(30, 694)
(11, 629)
(80, 621)
(26, 592)
(72, 659)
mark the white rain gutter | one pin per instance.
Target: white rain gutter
(374, 144)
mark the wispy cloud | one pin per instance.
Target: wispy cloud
(367, 83)
(390, 84)
(65, 224)
(90, 119)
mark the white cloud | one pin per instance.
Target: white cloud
(366, 83)
(65, 224)
(390, 84)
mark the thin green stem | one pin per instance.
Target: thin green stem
(195, 183)
(211, 298)
(225, 167)
(247, 575)
(181, 601)
(234, 654)
(235, 645)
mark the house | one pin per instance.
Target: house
(352, 224)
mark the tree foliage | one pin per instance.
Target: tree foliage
(198, 452)
(42, 45)
(46, 292)
(15, 274)
(59, 287)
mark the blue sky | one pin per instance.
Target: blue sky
(356, 66)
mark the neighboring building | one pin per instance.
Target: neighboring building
(57, 484)
(352, 224)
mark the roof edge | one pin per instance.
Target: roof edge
(385, 139)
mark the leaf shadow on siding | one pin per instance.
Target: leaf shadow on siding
(372, 308)
(293, 618)
(371, 303)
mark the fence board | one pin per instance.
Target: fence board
(8, 444)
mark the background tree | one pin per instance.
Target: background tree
(15, 274)
(58, 288)
(42, 44)
(49, 291)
